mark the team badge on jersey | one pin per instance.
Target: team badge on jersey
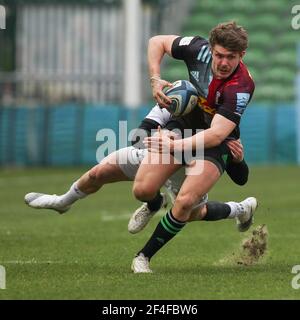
(185, 41)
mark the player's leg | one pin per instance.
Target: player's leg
(213, 211)
(242, 211)
(195, 186)
(107, 171)
(153, 172)
(150, 177)
(202, 176)
(204, 210)
(143, 214)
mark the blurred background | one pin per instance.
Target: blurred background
(70, 68)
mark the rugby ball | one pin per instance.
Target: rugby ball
(184, 97)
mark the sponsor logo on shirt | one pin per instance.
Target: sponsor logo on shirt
(203, 104)
(242, 100)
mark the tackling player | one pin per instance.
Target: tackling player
(123, 164)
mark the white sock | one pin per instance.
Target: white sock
(236, 209)
(72, 195)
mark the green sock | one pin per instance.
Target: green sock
(166, 229)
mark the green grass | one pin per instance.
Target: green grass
(86, 253)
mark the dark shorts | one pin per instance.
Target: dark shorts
(195, 120)
(217, 155)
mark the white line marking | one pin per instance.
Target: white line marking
(24, 180)
(32, 261)
(123, 215)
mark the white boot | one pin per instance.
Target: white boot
(140, 264)
(142, 216)
(245, 218)
(45, 201)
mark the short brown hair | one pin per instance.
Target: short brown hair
(230, 36)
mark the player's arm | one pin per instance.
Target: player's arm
(158, 46)
(223, 123)
(236, 97)
(236, 166)
(238, 171)
(220, 128)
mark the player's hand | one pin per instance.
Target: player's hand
(161, 142)
(236, 149)
(165, 132)
(158, 85)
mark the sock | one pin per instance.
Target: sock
(217, 211)
(166, 229)
(235, 209)
(155, 204)
(72, 195)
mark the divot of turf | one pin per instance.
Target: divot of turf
(252, 249)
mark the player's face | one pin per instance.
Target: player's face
(224, 61)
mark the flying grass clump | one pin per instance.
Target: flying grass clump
(254, 247)
(251, 250)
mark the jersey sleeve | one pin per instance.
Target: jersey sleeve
(159, 115)
(187, 48)
(156, 117)
(143, 131)
(235, 101)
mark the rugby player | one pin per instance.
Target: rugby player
(225, 87)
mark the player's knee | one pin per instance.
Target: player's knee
(144, 191)
(100, 173)
(184, 202)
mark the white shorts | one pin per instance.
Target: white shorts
(129, 160)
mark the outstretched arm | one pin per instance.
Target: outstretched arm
(158, 46)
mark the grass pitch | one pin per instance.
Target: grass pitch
(86, 253)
